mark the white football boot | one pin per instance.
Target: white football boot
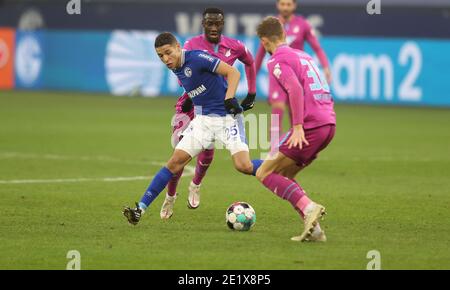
(167, 207)
(318, 235)
(194, 196)
(313, 213)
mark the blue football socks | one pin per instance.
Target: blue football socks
(256, 164)
(157, 185)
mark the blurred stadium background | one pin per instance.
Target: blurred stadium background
(397, 57)
(71, 154)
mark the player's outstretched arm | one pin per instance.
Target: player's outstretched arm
(315, 45)
(296, 104)
(246, 58)
(249, 101)
(283, 74)
(259, 58)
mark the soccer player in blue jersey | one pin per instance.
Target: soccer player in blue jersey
(211, 84)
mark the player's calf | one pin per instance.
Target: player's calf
(242, 162)
(176, 163)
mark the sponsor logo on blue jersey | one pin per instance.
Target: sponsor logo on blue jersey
(197, 91)
(206, 56)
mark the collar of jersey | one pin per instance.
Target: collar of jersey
(279, 47)
(294, 17)
(212, 44)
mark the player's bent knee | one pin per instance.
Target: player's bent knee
(177, 162)
(244, 168)
(285, 172)
(261, 174)
(174, 167)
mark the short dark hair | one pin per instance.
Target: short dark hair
(271, 28)
(213, 10)
(292, 1)
(165, 38)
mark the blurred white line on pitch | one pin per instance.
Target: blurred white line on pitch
(8, 155)
(188, 170)
(74, 180)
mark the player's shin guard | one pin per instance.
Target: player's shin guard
(286, 189)
(173, 183)
(157, 185)
(204, 160)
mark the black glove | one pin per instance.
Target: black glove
(232, 106)
(249, 102)
(187, 105)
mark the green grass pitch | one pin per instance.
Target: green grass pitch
(385, 181)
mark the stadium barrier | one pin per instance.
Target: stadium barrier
(365, 70)
(7, 49)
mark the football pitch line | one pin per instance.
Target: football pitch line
(189, 170)
(10, 155)
(74, 180)
(385, 159)
(18, 155)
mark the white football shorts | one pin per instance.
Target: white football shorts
(204, 130)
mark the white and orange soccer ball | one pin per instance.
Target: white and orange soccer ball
(240, 216)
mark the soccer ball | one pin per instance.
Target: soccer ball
(240, 216)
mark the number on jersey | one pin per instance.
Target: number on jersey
(319, 82)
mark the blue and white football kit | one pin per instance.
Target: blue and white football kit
(207, 90)
(211, 122)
